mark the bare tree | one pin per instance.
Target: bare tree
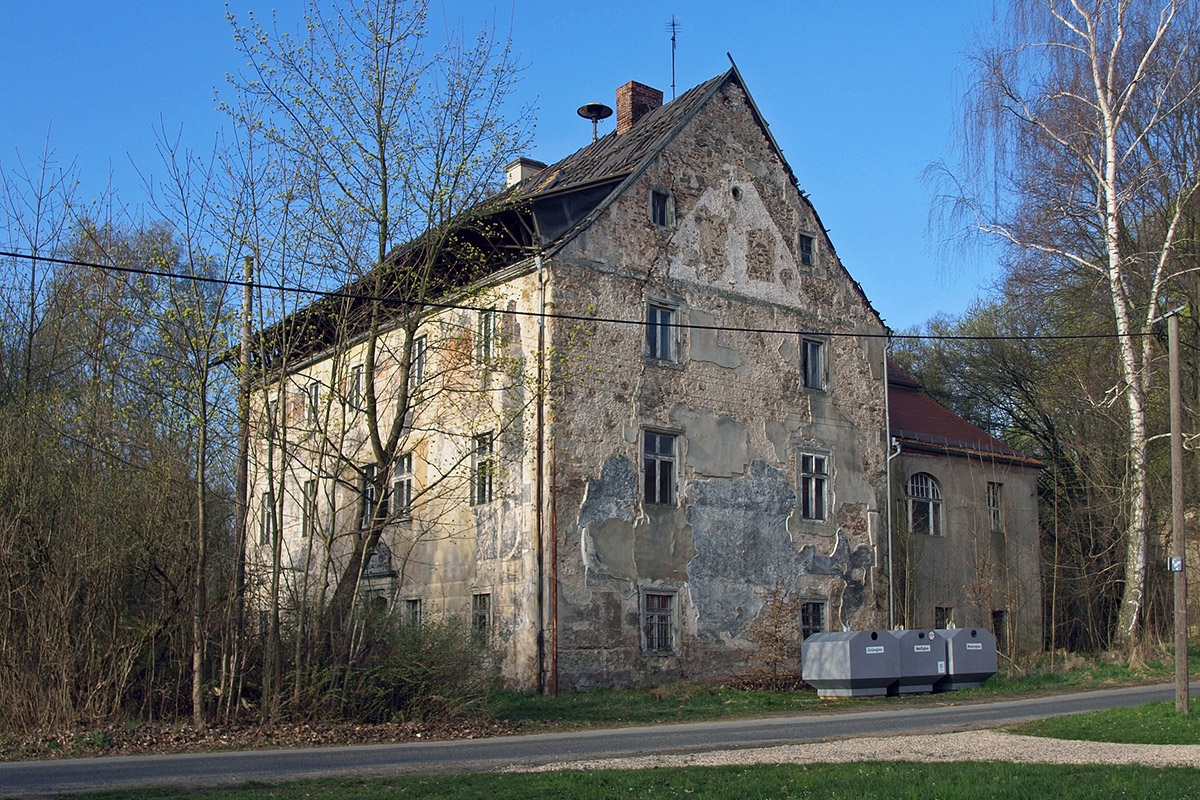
(395, 141)
(1080, 135)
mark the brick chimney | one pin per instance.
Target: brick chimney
(634, 101)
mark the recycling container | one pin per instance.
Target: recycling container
(970, 658)
(922, 661)
(851, 663)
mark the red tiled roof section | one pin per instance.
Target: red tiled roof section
(917, 418)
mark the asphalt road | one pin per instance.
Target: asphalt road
(201, 769)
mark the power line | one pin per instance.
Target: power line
(428, 304)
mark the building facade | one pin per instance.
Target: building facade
(668, 402)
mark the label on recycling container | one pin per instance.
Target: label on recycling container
(874, 649)
(974, 645)
(941, 668)
(920, 648)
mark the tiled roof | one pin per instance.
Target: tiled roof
(617, 155)
(916, 418)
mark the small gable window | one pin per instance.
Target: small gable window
(662, 208)
(808, 252)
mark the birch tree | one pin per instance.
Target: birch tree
(1081, 134)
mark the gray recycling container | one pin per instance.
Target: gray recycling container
(851, 663)
(922, 661)
(970, 658)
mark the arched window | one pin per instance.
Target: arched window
(924, 504)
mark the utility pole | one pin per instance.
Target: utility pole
(1178, 552)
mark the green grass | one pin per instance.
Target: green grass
(855, 781)
(1153, 723)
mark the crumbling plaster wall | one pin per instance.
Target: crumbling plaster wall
(971, 568)
(729, 260)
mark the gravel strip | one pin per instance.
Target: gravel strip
(963, 746)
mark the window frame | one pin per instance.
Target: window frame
(367, 498)
(661, 199)
(402, 486)
(414, 612)
(814, 364)
(312, 402)
(658, 490)
(807, 627)
(483, 468)
(943, 615)
(417, 365)
(354, 386)
(481, 616)
(662, 335)
(995, 506)
(486, 331)
(659, 623)
(923, 490)
(308, 507)
(814, 485)
(267, 527)
(807, 256)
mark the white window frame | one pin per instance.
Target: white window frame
(416, 368)
(267, 529)
(308, 508)
(659, 622)
(486, 330)
(354, 386)
(814, 486)
(367, 498)
(483, 468)
(312, 402)
(657, 489)
(925, 512)
(814, 363)
(402, 486)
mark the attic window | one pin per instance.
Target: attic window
(662, 208)
(808, 253)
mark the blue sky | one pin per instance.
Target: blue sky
(861, 95)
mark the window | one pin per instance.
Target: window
(486, 347)
(412, 612)
(308, 508)
(924, 505)
(658, 468)
(354, 386)
(481, 616)
(812, 357)
(266, 519)
(369, 496)
(658, 622)
(943, 617)
(995, 520)
(482, 468)
(814, 480)
(312, 403)
(402, 485)
(812, 618)
(661, 332)
(662, 208)
(416, 370)
(807, 250)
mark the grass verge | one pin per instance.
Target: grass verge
(1153, 723)
(856, 781)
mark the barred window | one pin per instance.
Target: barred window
(658, 622)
